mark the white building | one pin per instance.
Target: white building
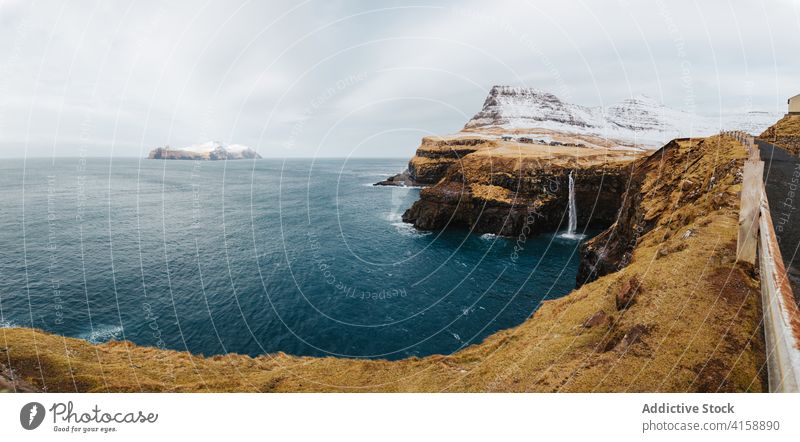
(794, 105)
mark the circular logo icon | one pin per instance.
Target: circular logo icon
(31, 415)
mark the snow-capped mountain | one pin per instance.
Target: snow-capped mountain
(639, 121)
(211, 150)
(515, 107)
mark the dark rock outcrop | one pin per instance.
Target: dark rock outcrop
(599, 318)
(634, 336)
(402, 179)
(11, 383)
(628, 293)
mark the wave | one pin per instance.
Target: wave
(408, 229)
(394, 186)
(494, 237)
(369, 173)
(393, 216)
(103, 333)
(571, 236)
(7, 324)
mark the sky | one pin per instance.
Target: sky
(363, 78)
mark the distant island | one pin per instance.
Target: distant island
(212, 150)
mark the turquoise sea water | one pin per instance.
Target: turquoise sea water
(299, 256)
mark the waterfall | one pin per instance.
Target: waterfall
(573, 211)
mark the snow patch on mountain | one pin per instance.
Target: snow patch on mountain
(636, 121)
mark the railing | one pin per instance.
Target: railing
(757, 239)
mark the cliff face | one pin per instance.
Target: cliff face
(434, 157)
(785, 133)
(502, 185)
(645, 200)
(676, 313)
(503, 195)
(436, 154)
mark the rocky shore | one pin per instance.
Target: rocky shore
(490, 185)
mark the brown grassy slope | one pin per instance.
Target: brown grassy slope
(785, 133)
(692, 325)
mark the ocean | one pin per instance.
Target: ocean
(300, 256)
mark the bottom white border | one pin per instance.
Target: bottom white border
(399, 417)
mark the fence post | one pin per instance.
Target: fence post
(747, 241)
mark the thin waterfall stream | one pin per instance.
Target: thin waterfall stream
(573, 215)
(572, 225)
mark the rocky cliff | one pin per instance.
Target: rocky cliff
(435, 155)
(502, 192)
(645, 200)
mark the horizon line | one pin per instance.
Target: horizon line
(170, 159)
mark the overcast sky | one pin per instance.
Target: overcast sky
(362, 78)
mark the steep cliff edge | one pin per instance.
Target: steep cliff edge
(785, 133)
(435, 155)
(503, 188)
(678, 314)
(698, 184)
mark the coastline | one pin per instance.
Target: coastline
(639, 328)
